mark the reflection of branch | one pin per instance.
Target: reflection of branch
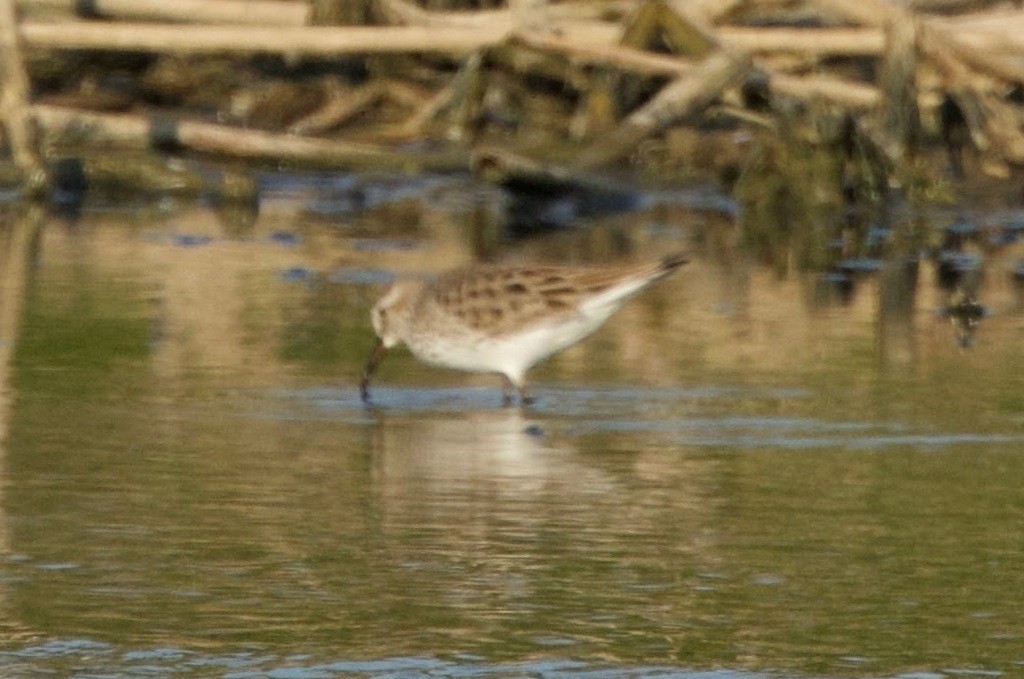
(15, 248)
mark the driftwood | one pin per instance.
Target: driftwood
(817, 41)
(269, 12)
(167, 133)
(341, 106)
(853, 95)
(830, 88)
(967, 56)
(15, 99)
(599, 76)
(408, 13)
(501, 166)
(674, 103)
(898, 76)
(454, 97)
(981, 42)
(308, 41)
(655, 22)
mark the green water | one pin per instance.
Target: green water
(737, 476)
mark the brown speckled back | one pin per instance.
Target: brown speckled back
(497, 300)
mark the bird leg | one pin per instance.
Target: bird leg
(507, 388)
(371, 364)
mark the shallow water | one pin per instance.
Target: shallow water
(742, 475)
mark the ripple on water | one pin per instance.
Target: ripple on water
(91, 658)
(628, 410)
(555, 401)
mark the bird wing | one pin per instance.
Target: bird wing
(497, 300)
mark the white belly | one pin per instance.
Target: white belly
(510, 354)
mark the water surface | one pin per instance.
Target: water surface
(742, 475)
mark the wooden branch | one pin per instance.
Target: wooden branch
(502, 166)
(432, 32)
(677, 100)
(625, 58)
(333, 40)
(819, 41)
(315, 40)
(983, 40)
(458, 90)
(340, 107)
(598, 35)
(655, 21)
(999, 21)
(14, 100)
(861, 12)
(408, 13)
(1001, 35)
(269, 12)
(997, 52)
(951, 6)
(1004, 123)
(138, 131)
(830, 88)
(958, 80)
(451, 33)
(900, 117)
(837, 90)
(708, 10)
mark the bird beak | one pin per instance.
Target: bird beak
(371, 364)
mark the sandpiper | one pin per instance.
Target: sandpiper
(504, 320)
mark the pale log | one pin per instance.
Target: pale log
(900, 117)
(625, 58)
(315, 40)
(409, 13)
(862, 12)
(14, 100)
(269, 12)
(828, 88)
(820, 41)
(137, 131)
(676, 101)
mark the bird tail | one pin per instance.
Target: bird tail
(672, 262)
(620, 285)
(652, 271)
